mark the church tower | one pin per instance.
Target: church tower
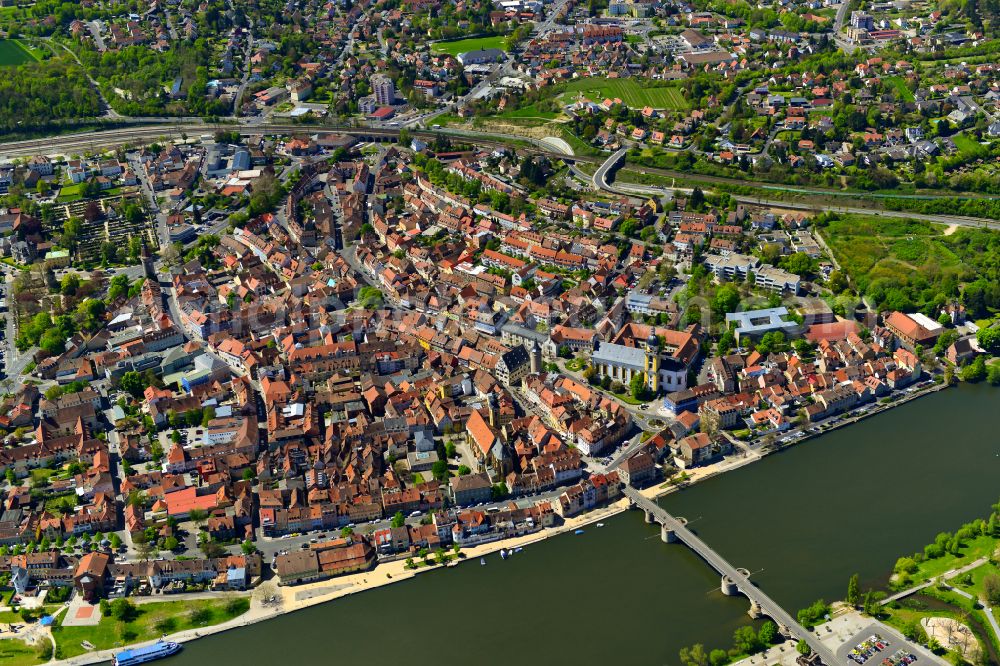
(148, 268)
(651, 347)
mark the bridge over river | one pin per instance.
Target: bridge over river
(734, 580)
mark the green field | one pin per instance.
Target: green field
(897, 82)
(13, 53)
(474, 44)
(889, 248)
(634, 93)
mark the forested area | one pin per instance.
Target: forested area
(38, 93)
(143, 75)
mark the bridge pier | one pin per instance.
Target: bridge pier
(729, 588)
(650, 518)
(755, 612)
(667, 535)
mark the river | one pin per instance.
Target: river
(802, 521)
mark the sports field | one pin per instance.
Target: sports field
(634, 93)
(13, 54)
(474, 44)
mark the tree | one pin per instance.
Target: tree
(768, 634)
(802, 647)
(772, 342)
(133, 383)
(248, 547)
(727, 300)
(853, 593)
(464, 470)
(799, 263)
(638, 385)
(116, 541)
(975, 371)
(726, 343)
(440, 470)
(697, 199)
(346, 531)
(869, 604)
(989, 339)
(991, 589)
(146, 548)
(123, 610)
(208, 546)
(71, 232)
(70, 284)
(810, 616)
(198, 516)
(694, 655)
(993, 374)
(746, 641)
(399, 519)
(207, 415)
(803, 348)
(837, 282)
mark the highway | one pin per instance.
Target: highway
(767, 605)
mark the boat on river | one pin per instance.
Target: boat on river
(142, 655)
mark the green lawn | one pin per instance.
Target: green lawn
(41, 475)
(453, 48)
(155, 619)
(13, 53)
(897, 82)
(633, 92)
(17, 653)
(967, 145)
(69, 193)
